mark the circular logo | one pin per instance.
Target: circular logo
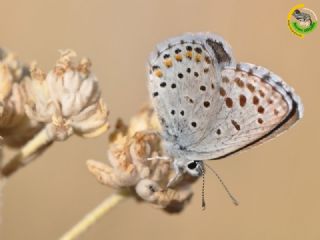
(301, 20)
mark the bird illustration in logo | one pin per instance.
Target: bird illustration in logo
(304, 19)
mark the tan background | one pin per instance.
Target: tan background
(278, 183)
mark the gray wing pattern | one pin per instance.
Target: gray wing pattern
(211, 107)
(258, 106)
(185, 74)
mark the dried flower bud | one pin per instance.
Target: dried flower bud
(67, 98)
(17, 70)
(130, 148)
(15, 126)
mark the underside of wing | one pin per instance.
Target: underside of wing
(184, 75)
(256, 106)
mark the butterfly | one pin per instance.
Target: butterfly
(210, 106)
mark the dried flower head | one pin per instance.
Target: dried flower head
(129, 166)
(15, 126)
(67, 99)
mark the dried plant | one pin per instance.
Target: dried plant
(15, 126)
(136, 168)
(67, 99)
(48, 107)
(38, 108)
(130, 167)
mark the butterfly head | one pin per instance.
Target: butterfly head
(194, 168)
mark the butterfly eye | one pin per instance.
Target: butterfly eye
(192, 165)
(194, 168)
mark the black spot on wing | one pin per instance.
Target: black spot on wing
(284, 121)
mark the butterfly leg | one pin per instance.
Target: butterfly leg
(176, 178)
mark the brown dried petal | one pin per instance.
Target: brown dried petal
(115, 179)
(151, 192)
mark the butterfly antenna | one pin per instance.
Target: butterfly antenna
(234, 200)
(203, 198)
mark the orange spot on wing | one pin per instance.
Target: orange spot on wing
(167, 63)
(179, 58)
(189, 54)
(158, 73)
(198, 58)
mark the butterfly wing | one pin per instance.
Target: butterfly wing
(184, 75)
(208, 106)
(258, 105)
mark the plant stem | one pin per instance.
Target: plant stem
(28, 152)
(93, 216)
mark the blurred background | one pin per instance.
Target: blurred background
(277, 183)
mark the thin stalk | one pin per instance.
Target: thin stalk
(92, 217)
(28, 152)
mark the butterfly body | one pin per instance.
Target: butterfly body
(210, 106)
